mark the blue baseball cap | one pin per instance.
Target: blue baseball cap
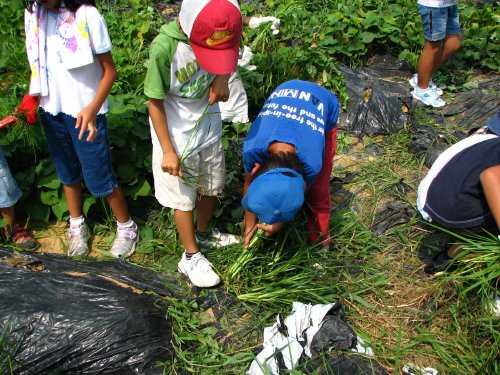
(275, 196)
(494, 123)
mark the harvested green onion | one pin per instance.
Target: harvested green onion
(259, 233)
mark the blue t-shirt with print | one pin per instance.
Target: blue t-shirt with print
(298, 113)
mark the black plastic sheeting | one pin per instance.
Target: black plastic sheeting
(333, 334)
(345, 365)
(330, 347)
(390, 215)
(426, 144)
(473, 108)
(60, 316)
(379, 98)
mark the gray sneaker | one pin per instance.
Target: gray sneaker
(79, 235)
(125, 241)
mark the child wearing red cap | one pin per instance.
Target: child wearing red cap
(288, 159)
(189, 68)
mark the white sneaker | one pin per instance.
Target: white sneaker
(428, 97)
(125, 241)
(79, 236)
(216, 239)
(414, 83)
(494, 304)
(199, 270)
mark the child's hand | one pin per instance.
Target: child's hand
(171, 164)
(271, 229)
(249, 232)
(219, 91)
(86, 121)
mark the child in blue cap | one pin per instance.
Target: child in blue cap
(288, 159)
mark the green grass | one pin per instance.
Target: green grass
(6, 352)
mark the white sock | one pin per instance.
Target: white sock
(418, 90)
(76, 220)
(130, 223)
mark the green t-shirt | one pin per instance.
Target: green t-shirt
(175, 77)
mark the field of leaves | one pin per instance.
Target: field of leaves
(404, 315)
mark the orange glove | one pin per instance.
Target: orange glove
(29, 106)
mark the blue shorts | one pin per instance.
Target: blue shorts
(439, 22)
(9, 191)
(78, 160)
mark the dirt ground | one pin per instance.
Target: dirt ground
(53, 238)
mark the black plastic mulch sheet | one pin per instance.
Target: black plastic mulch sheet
(61, 316)
(391, 214)
(379, 98)
(341, 364)
(471, 109)
(426, 143)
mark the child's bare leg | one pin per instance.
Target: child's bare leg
(205, 206)
(450, 45)
(18, 235)
(9, 214)
(430, 55)
(185, 227)
(118, 205)
(73, 194)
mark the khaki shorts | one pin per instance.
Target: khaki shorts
(204, 173)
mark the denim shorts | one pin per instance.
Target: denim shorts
(9, 191)
(76, 159)
(439, 22)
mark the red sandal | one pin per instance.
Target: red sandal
(22, 238)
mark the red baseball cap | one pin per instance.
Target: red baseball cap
(214, 30)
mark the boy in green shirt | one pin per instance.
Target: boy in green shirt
(189, 68)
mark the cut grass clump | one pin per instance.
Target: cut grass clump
(7, 351)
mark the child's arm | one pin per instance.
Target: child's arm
(490, 181)
(250, 220)
(170, 162)
(219, 91)
(86, 118)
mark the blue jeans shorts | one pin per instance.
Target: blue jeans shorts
(439, 22)
(76, 159)
(9, 191)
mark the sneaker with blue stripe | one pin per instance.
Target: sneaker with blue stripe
(428, 97)
(414, 83)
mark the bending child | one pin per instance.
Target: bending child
(72, 72)
(288, 159)
(189, 68)
(461, 190)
